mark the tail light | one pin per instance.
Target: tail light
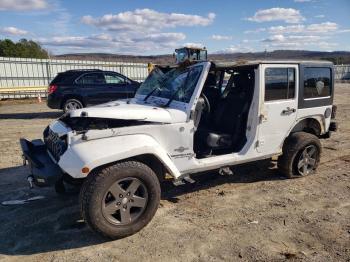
(51, 89)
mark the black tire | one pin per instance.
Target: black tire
(95, 191)
(72, 104)
(293, 149)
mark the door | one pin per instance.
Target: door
(93, 87)
(278, 112)
(119, 87)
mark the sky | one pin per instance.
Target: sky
(144, 27)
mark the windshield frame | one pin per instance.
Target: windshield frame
(162, 101)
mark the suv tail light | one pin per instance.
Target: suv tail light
(51, 89)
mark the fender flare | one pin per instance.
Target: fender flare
(315, 122)
(300, 124)
(100, 152)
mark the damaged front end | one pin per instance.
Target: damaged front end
(81, 124)
(43, 155)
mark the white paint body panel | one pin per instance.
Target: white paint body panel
(135, 110)
(169, 135)
(275, 126)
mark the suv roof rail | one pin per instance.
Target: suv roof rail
(79, 70)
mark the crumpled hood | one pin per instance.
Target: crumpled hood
(131, 111)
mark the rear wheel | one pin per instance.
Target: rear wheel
(301, 155)
(72, 104)
(120, 200)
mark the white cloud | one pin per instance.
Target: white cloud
(22, 5)
(298, 41)
(325, 27)
(239, 48)
(288, 15)
(320, 16)
(161, 37)
(344, 31)
(292, 38)
(322, 28)
(120, 43)
(146, 20)
(258, 30)
(194, 45)
(221, 37)
(327, 45)
(13, 31)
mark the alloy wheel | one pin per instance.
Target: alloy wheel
(125, 201)
(307, 160)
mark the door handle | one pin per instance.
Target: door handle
(288, 111)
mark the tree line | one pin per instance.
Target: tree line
(23, 48)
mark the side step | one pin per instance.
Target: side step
(182, 181)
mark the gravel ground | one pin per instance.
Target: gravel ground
(254, 215)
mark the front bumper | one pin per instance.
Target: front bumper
(44, 170)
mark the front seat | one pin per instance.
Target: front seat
(211, 91)
(228, 118)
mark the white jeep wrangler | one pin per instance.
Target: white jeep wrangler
(183, 120)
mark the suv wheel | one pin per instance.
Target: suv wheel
(72, 104)
(301, 155)
(120, 200)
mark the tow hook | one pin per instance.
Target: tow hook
(30, 180)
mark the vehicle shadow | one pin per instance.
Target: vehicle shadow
(45, 225)
(258, 171)
(54, 223)
(34, 115)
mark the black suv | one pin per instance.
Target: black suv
(75, 89)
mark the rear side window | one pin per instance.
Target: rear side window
(317, 82)
(114, 79)
(279, 83)
(62, 78)
(91, 79)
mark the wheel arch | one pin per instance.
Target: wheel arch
(158, 167)
(150, 160)
(313, 125)
(72, 96)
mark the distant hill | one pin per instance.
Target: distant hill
(337, 57)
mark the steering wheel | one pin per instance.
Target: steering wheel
(206, 102)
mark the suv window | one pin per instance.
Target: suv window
(114, 78)
(317, 82)
(63, 78)
(91, 79)
(279, 83)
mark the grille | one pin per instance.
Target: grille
(56, 145)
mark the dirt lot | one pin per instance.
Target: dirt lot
(253, 215)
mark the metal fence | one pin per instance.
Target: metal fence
(342, 72)
(22, 77)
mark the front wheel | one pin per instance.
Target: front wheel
(120, 200)
(301, 155)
